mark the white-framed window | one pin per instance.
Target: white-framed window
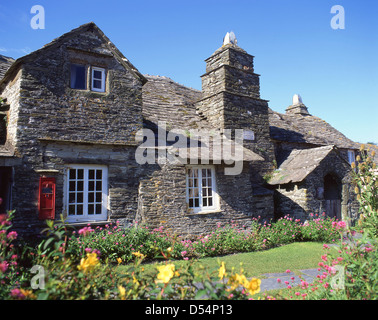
(86, 193)
(98, 79)
(351, 156)
(201, 193)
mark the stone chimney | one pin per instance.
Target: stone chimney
(297, 107)
(231, 96)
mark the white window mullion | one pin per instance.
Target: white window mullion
(85, 197)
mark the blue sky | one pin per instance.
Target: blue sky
(295, 48)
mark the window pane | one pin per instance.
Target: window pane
(91, 185)
(72, 186)
(190, 203)
(98, 185)
(203, 172)
(80, 173)
(97, 84)
(91, 197)
(78, 77)
(91, 174)
(72, 174)
(203, 182)
(79, 197)
(204, 192)
(98, 174)
(71, 209)
(210, 202)
(90, 208)
(80, 186)
(97, 74)
(196, 202)
(204, 202)
(79, 209)
(71, 198)
(98, 196)
(98, 208)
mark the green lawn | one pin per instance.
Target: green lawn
(295, 256)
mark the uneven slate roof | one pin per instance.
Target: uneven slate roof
(306, 129)
(5, 63)
(299, 164)
(173, 103)
(167, 101)
(91, 26)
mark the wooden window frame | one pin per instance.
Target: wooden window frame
(203, 190)
(102, 79)
(86, 191)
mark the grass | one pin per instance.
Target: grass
(295, 256)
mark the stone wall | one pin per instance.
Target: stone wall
(162, 201)
(301, 199)
(52, 125)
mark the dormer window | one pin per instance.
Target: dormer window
(78, 77)
(80, 74)
(98, 79)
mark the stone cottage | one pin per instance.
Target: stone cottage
(76, 113)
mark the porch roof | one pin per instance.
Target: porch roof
(299, 164)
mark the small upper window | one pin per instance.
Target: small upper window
(78, 78)
(351, 156)
(98, 79)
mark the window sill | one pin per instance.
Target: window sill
(204, 212)
(85, 223)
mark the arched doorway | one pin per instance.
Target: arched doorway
(332, 196)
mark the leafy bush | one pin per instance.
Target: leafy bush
(366, 188)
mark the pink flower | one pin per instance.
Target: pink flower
(278, 280)
(12, 235)
(3, 266)
(16, 293)
(85, 231)
(288, 271)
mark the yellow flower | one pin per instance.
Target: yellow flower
(222, 271)
(362, 147)
(138, 254)
(236, 280)
(88, 263)
(253, 286)
(122, 292)
(135, 280)
(166, 273)
(28, 293)
(169, 249)
(119, 260)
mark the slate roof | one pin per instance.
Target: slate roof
(306, 129)
(110, 49)
(173, 103)
(5, 63)
(299, 164)
(167, 101)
